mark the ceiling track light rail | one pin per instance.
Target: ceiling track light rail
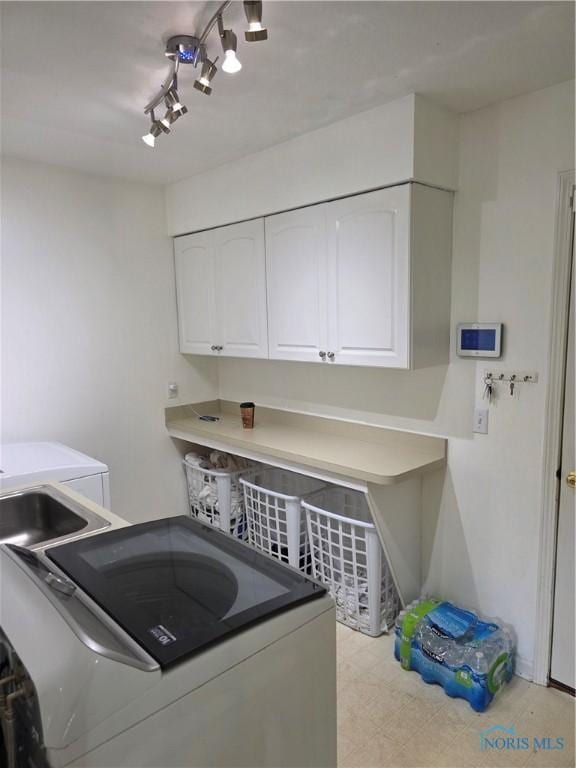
(191, 49)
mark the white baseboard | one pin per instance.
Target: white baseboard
(525, 668)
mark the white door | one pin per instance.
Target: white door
(369, 278)
(563, 651)
(195, 293)
(297, 284)
(240, 285)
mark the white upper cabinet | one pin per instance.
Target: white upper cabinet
(296, 284)
(241, 289)
(364, 280)
(195, 293)
(221, 288)
(369, 278)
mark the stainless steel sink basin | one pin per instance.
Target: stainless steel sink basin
(41, 516)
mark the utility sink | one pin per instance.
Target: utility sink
(42, 515)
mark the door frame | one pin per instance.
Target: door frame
(553, 425)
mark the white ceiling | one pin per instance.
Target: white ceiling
(76, 75)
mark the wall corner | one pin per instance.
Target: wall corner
(436, 129)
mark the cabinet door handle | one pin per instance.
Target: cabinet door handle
(213, 347)
(331, 355)
(322, 355)
(219, 348)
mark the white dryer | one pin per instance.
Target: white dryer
(35, 463)
(166, 643)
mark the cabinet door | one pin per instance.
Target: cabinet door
(296, 284)
(195, 293)
(369, 278)
(240, 263)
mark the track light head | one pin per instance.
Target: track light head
(231, 62)
(202, 84)
(171, 116)
(151, 136)
(174, 106)
(179, 113)
(255, 31)
(156, 128)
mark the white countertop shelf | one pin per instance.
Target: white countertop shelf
(360, 452)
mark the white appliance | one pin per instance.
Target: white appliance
(32, 463)
(166, 643)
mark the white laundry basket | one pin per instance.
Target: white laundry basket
(276, 520)
(348, 557)
(215, 497)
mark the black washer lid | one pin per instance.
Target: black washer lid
(178, 586)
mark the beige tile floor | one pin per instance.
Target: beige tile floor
(389, 718)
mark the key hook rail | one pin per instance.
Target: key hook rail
(513, 378)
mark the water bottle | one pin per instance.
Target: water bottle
(455, 654)
(479, 663)
(400, 620)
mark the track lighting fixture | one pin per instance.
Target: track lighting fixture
(231, 63)
(255, 31)
(191, 49)
(209, 69)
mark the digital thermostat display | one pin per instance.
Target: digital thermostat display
(479, 339)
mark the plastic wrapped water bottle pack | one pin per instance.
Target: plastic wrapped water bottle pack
(469, 657)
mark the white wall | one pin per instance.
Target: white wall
(89, 337)
(481, 517)
(409, 138)
(484, 545)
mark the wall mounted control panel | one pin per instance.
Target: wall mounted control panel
(479, 339)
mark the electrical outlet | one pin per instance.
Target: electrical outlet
(481, 421)
(172, 390)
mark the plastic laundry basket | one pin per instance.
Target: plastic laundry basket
(348, 557)
(216, 497)
(276, 521)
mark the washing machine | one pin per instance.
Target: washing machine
(32, 463)
(165, 643)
